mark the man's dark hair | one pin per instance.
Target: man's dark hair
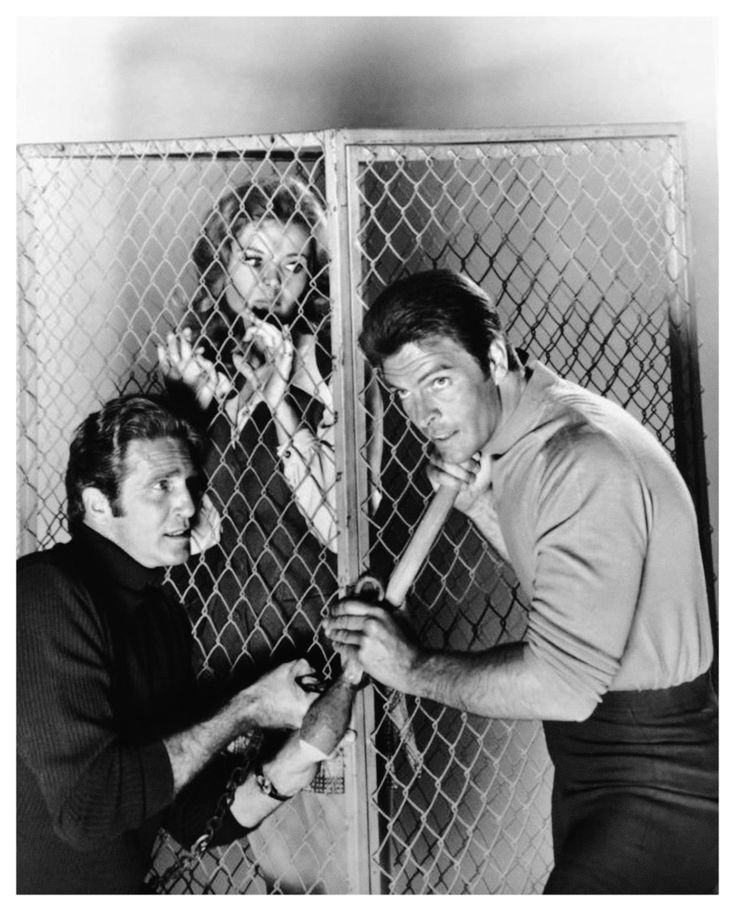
(429, 304)
(100, 444)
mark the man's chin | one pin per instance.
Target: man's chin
(178, 551)
(453, 455)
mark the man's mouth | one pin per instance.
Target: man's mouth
(442, 437)
(183, 533)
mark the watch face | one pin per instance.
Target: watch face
(266, 786)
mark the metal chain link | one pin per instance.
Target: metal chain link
(248, 748)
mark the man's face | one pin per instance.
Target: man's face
(156, 502)
(445, 395)
(268, 270)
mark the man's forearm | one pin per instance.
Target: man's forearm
(507, 681)
(290, 770)
(190, 750)
(503, 682)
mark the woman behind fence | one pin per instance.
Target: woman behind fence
(254, 350)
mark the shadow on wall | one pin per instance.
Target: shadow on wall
(241, 76)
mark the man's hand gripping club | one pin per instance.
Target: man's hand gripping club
(373, 634)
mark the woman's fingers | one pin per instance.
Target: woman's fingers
(270, 337)
(163, 360)
(242, 365)
(179, 346)
(204, 364)
(172, 343)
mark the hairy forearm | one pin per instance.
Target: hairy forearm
(190, 750)
(503, 682)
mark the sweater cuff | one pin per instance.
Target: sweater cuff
(230, 830)
(158, 780)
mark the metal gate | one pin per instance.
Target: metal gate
(578, 233)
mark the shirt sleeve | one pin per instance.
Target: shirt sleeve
(310, 472)
(590, 550)
(95, 785)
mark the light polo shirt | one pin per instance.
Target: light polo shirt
(601, 531)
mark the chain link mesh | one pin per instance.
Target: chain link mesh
(579, 239)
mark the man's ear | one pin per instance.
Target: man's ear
(97, 508)
(498, 357)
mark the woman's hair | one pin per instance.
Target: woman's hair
(286, 200)
(100, 444)
(430, 304)
(289, 201)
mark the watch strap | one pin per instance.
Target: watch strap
(266, 786)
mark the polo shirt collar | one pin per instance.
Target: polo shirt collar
(525, 416)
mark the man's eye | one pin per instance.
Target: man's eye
(163, 485)
(401, 394)
(440, 382)
(294, 267)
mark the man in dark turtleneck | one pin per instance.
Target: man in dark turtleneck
(114, 739)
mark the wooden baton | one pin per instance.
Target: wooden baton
(416, 551)
(328, 717)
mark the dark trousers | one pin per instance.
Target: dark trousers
(634, 803)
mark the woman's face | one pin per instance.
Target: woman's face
(268, 269)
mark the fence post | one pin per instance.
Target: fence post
(27, 419)
(686, 392)
(352, 487)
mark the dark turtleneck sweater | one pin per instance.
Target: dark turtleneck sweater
(104, 674)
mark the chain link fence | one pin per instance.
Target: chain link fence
(580, 237)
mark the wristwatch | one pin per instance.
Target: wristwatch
(266, 786)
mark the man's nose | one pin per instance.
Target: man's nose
(423, 413)
(185, 504)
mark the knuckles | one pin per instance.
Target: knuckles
(371, 627)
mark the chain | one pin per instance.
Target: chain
(248, 747)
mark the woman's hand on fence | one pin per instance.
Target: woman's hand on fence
(271, 380)
(206, 533)
(179, 361)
